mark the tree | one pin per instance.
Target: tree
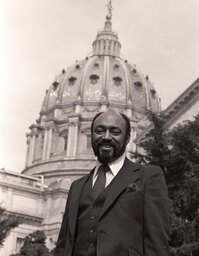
(7, 222)
(177, 152)
(34, 245)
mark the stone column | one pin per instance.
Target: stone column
(69, 142)
(32, 146)
(27, 150)
(101, 46)
(72, 136)
(49, 144)
(107, 46)
(112, 48)
(47, 141)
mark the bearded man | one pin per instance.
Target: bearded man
(120, 208)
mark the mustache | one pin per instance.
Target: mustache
(101, 143)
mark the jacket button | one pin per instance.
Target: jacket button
(91, 244)
(91, 231)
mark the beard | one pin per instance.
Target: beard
(107, 152)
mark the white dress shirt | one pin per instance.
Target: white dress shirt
(114, 169)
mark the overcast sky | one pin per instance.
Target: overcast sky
(39, 38)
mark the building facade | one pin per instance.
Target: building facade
(185, 107)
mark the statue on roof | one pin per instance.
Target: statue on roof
(110, 8)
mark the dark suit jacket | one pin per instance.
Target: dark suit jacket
(134, 219)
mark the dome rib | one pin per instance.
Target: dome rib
(106, 77)
(128, 80)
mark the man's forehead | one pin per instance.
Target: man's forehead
(111, 115)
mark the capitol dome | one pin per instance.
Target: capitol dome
(104, 78)
(59, 143)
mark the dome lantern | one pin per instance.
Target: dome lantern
(106, 42)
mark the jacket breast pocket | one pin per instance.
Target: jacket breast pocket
(134, 252)
(132, 204)
(132, 195)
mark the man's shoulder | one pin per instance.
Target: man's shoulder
(81, 179)
(144, 168)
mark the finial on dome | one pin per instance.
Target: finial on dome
(106, 42)
(108, 24)
(110, 8)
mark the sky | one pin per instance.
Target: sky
(39, 38)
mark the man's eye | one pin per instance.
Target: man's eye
(99, 131)
(116, 132)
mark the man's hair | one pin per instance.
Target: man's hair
(128, 125)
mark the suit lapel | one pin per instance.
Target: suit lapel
(129, 173)
(74, 202)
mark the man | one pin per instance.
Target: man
(120, 208)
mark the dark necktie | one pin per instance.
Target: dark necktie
(100, 181)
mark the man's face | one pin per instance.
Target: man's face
(109, 137)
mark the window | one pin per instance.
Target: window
(153, 93)
(96, 65)
(117, 80)
(116, 66)
(71, 80)
(138, 84)
(55, 86)
(19, 244)
(94, 79)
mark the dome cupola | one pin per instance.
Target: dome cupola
(106, 42)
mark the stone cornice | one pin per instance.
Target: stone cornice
(190, 93)
(26, 218)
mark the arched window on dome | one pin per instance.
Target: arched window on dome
(94, 78)
(77, 66)
(72, 80)
(153, 93)
(96, 65)
(116, 67)
(138, 85)
(55, 86)
(117, 80)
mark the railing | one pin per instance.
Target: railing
(14, 177)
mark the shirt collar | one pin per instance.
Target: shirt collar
(114, 166)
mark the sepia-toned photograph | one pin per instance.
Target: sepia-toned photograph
(99, 128)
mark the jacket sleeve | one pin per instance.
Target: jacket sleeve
(61, 241)
(156, 214)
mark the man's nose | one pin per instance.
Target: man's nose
(107, 135)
